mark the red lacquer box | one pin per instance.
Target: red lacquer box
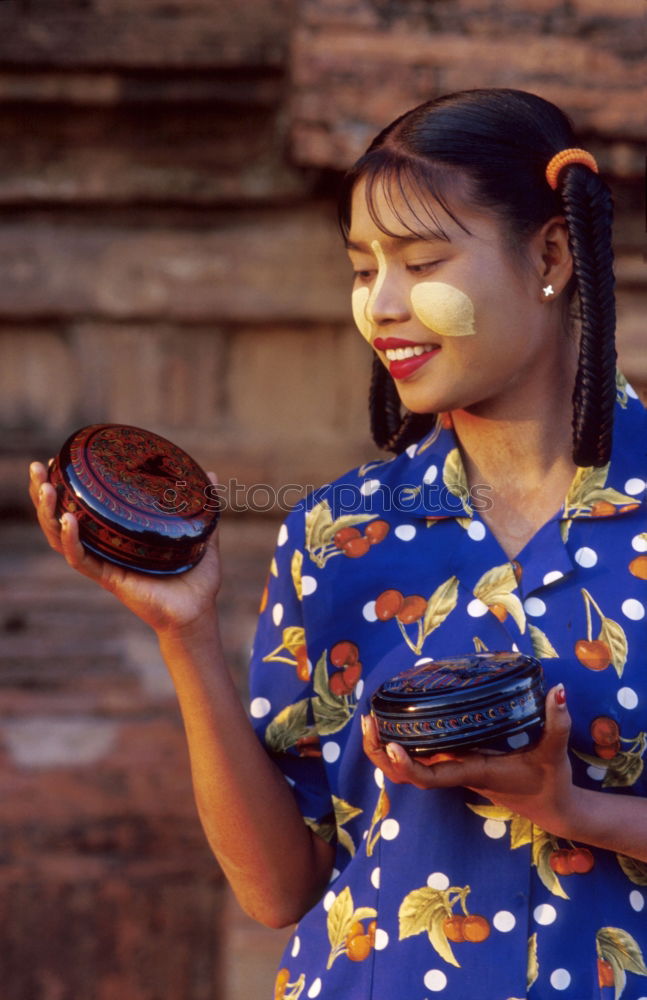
(141, 501)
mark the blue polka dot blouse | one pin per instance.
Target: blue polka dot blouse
(441, 893)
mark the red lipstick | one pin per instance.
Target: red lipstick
(403, 369)
(392, 343)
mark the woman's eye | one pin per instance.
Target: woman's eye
(423, 268)
(364, 275)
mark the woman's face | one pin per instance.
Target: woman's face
(458, 322)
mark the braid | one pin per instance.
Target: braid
(389, 428)
(384, 406)
(588, 209)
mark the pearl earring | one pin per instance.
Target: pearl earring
(548, 291)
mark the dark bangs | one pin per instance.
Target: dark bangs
(412, 181)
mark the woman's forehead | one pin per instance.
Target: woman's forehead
(402, 210)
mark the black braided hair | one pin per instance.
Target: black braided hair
(500, 140)
(589, 214)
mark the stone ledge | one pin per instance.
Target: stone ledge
(192, 35)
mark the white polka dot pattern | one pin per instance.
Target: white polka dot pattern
(476, 531)
(577, 598)
(405, 532)
(586, 557)
(545, 914)
(560, 979)
(504, 921)
(435, 980)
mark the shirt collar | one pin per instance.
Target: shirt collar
(434, 484)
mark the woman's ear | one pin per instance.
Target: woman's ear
(553, 256)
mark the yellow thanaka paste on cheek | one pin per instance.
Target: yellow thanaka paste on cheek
(362, 299)
(359, 300)
(444, 309)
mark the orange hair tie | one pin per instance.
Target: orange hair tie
(566, 156)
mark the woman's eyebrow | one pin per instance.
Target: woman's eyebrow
(397, 241)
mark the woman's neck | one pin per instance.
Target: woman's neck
(522, 466)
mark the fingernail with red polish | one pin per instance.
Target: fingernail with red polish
(560, 695)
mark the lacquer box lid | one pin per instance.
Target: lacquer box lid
(141, 501)
(491, 701)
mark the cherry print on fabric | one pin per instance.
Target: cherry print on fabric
(426, 897)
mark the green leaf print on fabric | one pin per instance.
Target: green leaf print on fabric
(588, 494)
(296, 566)
(609, 649)
(431, 911)
(495, 589)
(381, 810)
(293, 642)
(344, 813)
(635, 870)
(343, 918)
(321, 531)
(327, 831)
(542, 647)
(289, 726)
(331, 711)
(622, 953)
(533, 961)
(622, 396)
(415, 611)
(625, 767)
(455, 479)
(439, 606)
(523, 832)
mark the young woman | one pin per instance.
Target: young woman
(511, 517)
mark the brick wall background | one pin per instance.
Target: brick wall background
(169, 258)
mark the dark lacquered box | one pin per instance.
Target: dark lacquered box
(481, 701)
(141, 501)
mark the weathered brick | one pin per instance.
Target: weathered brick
(264, 267)
(588, 64)
(243, 978)
(110, 937)
(192, 35)
(39, 379)
(630, 270)
(107, 887)
(619, 9)
(151, 375)
(259, 88)
(631, 335)
(294, 386)
(60, 152)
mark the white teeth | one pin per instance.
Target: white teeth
(400, 353)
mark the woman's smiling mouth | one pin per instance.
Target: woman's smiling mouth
(404, 356)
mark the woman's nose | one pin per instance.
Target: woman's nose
(389, 299)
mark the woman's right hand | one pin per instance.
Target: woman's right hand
(167, 604)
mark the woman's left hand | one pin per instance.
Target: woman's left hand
(535, 783)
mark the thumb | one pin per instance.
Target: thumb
(557, 727)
